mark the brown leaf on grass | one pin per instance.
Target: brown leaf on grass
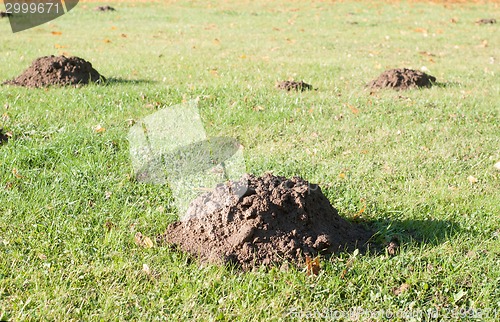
(353, 109)
(472, 179)
(258, 108)
(107, 41)
(16, 174)
(56, 33)
(143, 241)
(312, 266)
(401, 289)
(99, 129)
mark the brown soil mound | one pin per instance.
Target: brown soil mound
(275, 220)
(104, 8)
(402, 78)
(486, 21)
(57, 70)
(293, 85)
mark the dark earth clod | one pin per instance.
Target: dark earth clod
(402, 79)
(293, 85)
(57, 71)
(277, 220)
(489, 21)
(104, 8)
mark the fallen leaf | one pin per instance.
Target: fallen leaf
(497, 165)
(362, 210)
(422, 30)
(123, 35)
(353, 109)
(107, 41)
(56, 33)
(42, 257)
(472, 179)
(312, 266)
(401, 289)
(99, 129)
(143, 241)
(342, 175)
(16, 174)
(258, 108)
(146, 269)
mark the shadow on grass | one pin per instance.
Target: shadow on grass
(432, 232)
(112, 81)
(447, 84)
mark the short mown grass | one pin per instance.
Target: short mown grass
(417, 164)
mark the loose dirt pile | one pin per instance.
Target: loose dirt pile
(402, 79)
(104, 8)
(293, 85)
(59, 71)
(275, 220)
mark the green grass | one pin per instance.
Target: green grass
(407, 156)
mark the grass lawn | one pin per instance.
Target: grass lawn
(418, 164)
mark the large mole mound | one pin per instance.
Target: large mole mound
(275, 220)
(59, 71)
(402, 78)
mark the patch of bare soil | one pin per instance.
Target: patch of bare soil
(276, 220)
(293, 85)
(59, 71)
(402, 79)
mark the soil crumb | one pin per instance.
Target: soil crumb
(489, 21)
(58, 71)
(4, 137)
(293, 85)
(402, 79)
(275, 220)
(104, 8)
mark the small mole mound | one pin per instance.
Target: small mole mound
(402, 79)
(489, 21)
(104, 8)
(275, 220)
(4, 14)
(293, 85)
(58, 71)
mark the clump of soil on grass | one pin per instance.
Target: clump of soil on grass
(4, 14)
(4, 137)
(275, 220)
(59, 71)
(489, 21)
(293, 85)
(402, 79)
(104, 8)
